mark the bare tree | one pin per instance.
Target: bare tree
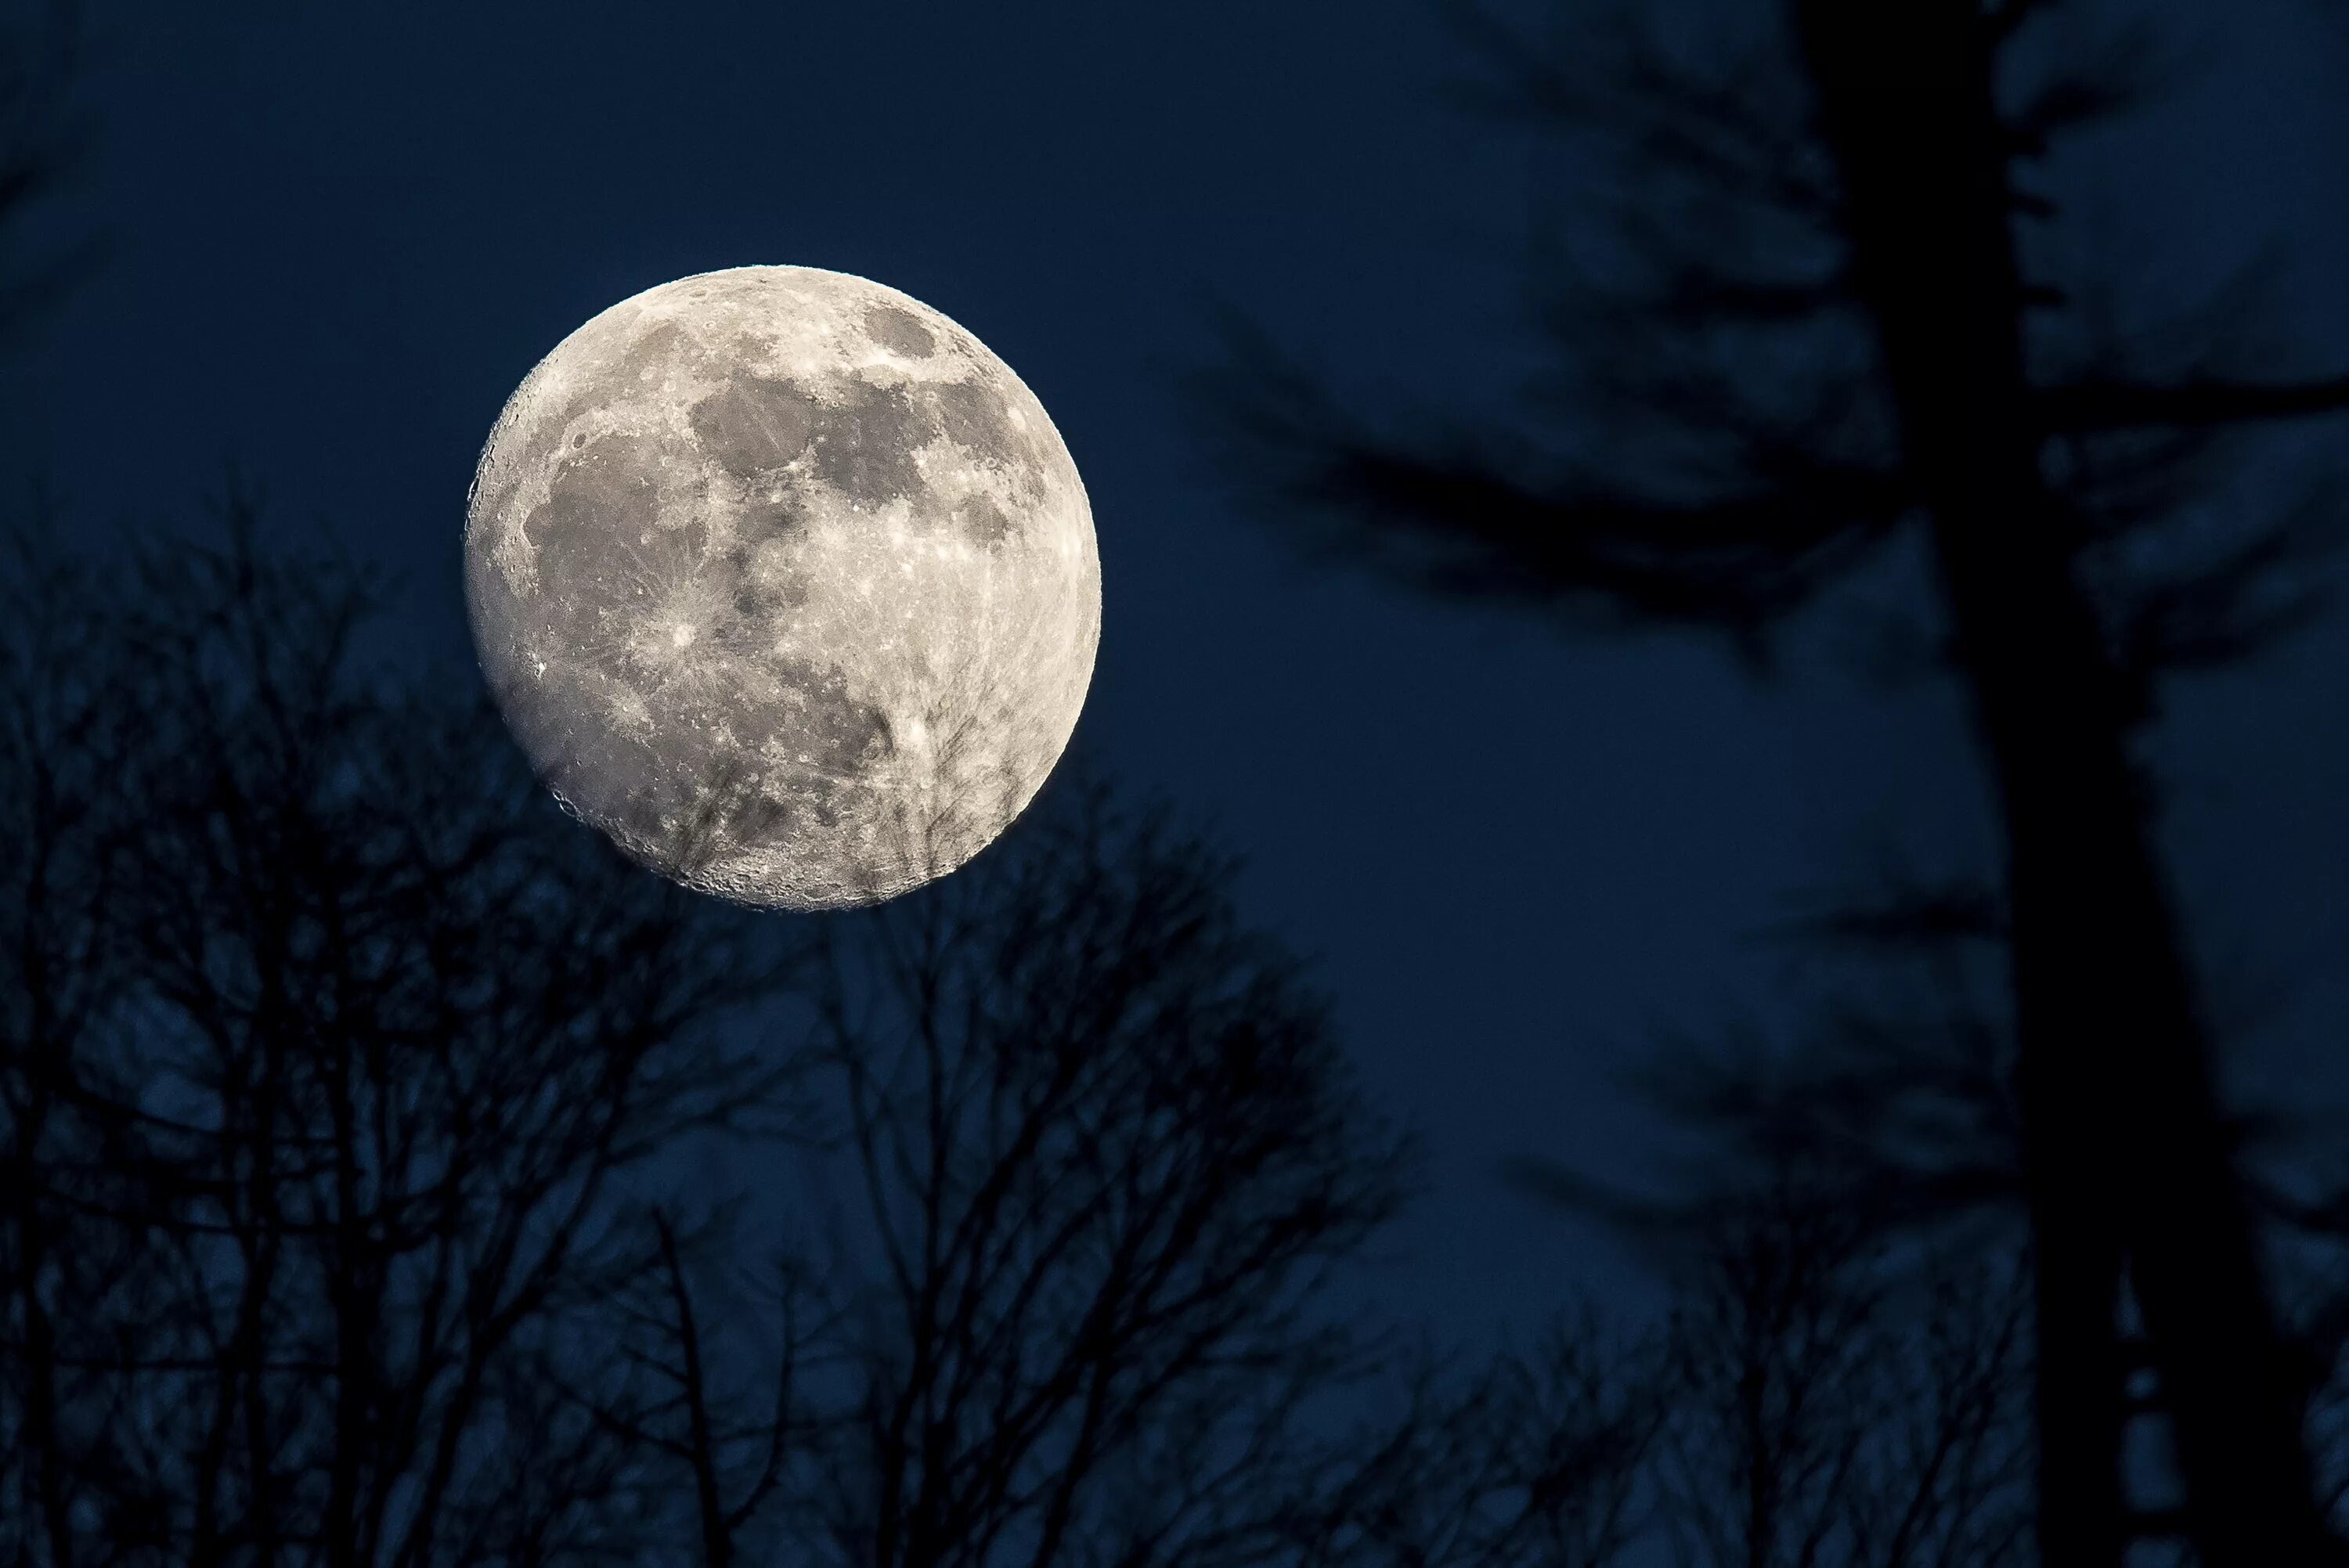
(718, 1454)
(1845, 1369)
(1831, 1405)
(1895, 1103)
(327, 1045)
(1820, 314)
(334, 1061)
(1095, 1151)
(1539, 1457)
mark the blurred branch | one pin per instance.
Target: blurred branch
(42, 147)
(1455, 521)
(2092, 406)
(326, 1041)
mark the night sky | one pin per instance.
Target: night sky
(343, 233)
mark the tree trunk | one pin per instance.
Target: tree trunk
(2126, 1160)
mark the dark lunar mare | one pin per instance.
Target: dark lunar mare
(597, 548)
(860, 437)
(753, 427)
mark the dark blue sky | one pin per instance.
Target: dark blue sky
(345, 232)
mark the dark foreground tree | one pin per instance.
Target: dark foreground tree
(1096, 1150)
(1814, 1395)
(1830, 1400)
(1821, 316)
(1844, 1375)
(353, 1212)
(325, 1044)
(348, 1097)
(1054, 1296)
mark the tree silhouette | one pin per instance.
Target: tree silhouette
(1843, 1369)
(340, 1075)
(328, 1045)
(1819, 317)
(343, 1084)
(1094, 1150)
(712, 1458)
(1819, 1413)
(1540, 1456)
(1893, 1104)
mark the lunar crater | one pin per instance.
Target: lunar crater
(899, 331)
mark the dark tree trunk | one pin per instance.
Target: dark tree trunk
(2126, 1158)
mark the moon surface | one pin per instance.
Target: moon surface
(785, 582)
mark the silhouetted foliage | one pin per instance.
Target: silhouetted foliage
(1806, 306)
(1836, 1402)
(1833, 1387)
(344, 1082)
(327, 1044)
(1095, 1149)
(1536, 1457)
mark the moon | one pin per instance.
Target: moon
(785, 582)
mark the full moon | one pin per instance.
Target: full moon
(785, 582)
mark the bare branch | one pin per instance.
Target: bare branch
(2092, 406)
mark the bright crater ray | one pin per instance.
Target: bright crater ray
(785, 582)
